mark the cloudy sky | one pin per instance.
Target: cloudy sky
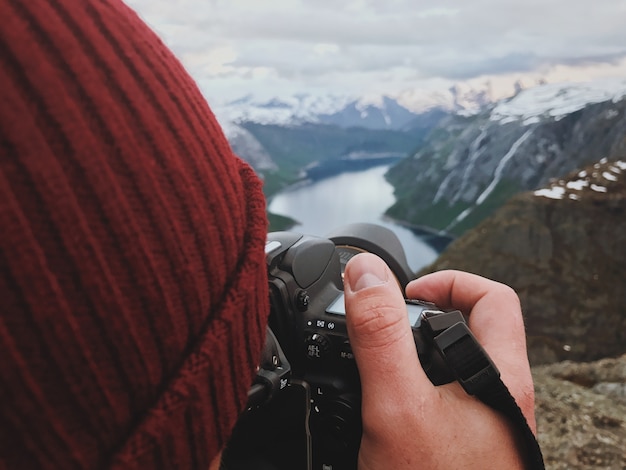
(407, 49)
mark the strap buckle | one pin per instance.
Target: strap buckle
(461, 351)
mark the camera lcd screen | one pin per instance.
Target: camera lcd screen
(338, 307)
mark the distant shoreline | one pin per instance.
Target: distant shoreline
(356, 161)
(438, 239)
(426, 230)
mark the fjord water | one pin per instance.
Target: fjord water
(348, 197)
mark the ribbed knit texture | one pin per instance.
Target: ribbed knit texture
(133, 291)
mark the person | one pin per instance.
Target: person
(133, 282)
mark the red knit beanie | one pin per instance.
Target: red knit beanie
(133, 291)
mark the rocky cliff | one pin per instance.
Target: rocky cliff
(471, 165)
(562, 249)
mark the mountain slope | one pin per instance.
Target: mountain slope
(562, 249)
(249, 148)
(472, 165)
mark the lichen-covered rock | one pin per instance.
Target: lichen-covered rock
(581, 421)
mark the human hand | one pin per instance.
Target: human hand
(409, 423)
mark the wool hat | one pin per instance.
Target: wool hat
(133, 287)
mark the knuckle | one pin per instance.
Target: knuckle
(509, 294)
(509, 307)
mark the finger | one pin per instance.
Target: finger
(495, 318)
(493, 308)
(380, 334)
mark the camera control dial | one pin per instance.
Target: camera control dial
(317, 346)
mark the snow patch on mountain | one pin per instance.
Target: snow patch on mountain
(605, 177)
(556, 100)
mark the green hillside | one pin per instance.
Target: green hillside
(296, 147)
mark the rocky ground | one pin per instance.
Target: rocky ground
(581, 414)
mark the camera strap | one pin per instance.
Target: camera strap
(273, 374)
(477, 374)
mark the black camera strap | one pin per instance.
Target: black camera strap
(477, 374)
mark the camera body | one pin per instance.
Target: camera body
(320, 428)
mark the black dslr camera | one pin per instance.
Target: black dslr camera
(304, 408)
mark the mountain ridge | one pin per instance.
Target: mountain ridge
(302, 108)
(470, 165)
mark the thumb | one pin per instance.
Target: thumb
(380, 333)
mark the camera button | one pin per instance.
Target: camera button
(345, 351)
(317, 346)
(303, 299)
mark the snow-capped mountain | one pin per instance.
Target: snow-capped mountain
(414, 112)
(382, 113)
(556, 100)
(285, 111)
(471, 164)
(553, 100)
(371, 112)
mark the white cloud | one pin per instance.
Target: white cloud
(323, 49)
(237, 47)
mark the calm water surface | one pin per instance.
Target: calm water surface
(359, 196)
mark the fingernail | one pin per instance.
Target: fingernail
(366, 271)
